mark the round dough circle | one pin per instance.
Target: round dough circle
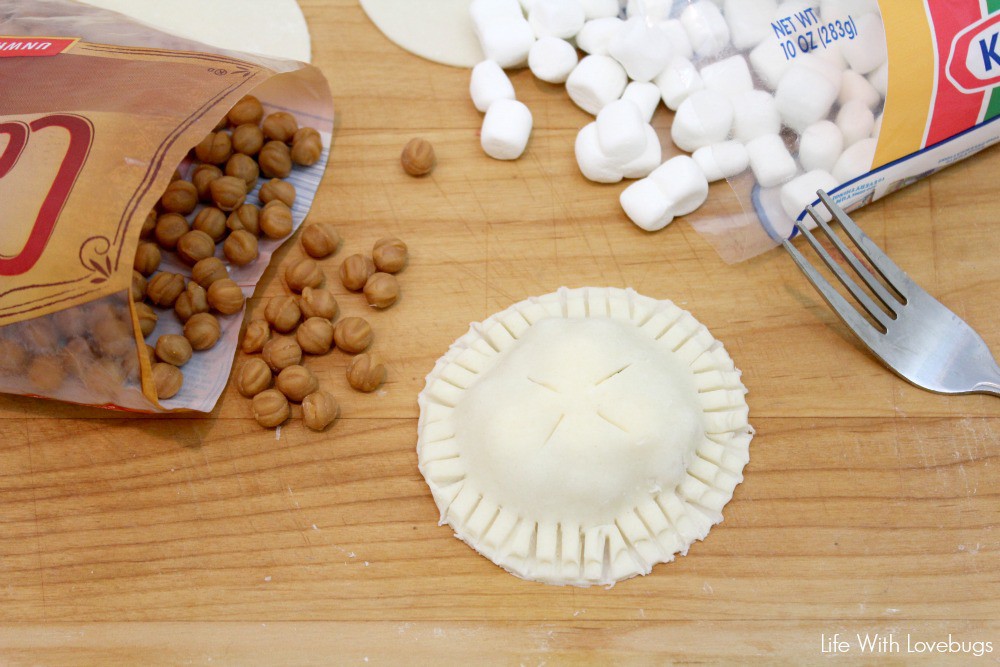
(583, 436)
(438, 30)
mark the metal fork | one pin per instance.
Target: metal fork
(923, 342)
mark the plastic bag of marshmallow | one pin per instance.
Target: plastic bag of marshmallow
(855, 97)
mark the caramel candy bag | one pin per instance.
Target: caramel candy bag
(97, 113)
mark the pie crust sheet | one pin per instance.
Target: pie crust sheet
(583, 436)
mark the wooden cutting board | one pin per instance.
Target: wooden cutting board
(868, 505)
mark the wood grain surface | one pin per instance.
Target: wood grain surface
(868, 505)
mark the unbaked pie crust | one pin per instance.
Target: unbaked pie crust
(583, 436)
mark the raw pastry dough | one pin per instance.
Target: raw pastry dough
(583, 436)
(439, 30)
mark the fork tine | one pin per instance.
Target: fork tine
(874, 285)
(855, 322)
(893, 275)
(870, 307)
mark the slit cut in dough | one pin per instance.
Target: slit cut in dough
(602, 436)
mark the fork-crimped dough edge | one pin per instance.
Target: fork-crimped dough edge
(657, 528)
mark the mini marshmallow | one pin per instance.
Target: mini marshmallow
(595, 81)
(552, 59)
(682, 181)
(769, 62)
(880, 79)
(599, 9)
(832, 54)
(723, 160)
(804, 96)
(484, 12)
(488, 84)
(621, 130)
(756, 114)
(853, 86)
(729, 77)
(645, 203)
(678, 38)
(678, 81)
(867, 51)
(877, 130)
(706, 28)
(770, 161)
(645, 95)
(826, 67)
(820, 146)
(594, 164)
(506, 128)
(749, 21)
(507, 40)
(842, 10)
(642, 49)
(855, 161)
(648, 160)
(595, 35)
(800, 192)
(556, 18)
(856, 121)
(653, 11)
(704, 118)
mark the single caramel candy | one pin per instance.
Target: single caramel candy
(319, 410)
(147, 258)
(389, 255)
(320, 239)
(258, 332)
(247, 110)
(245, 217)
(138, 290)
(215, 148)
(283, 313)
(296, 382)
(202, 330)
(208, 270)
(275, 160)
(170, 227)
(191, 301)
(365, 373)
(315, 335)
(318, 302)
(307, 147)
(253, 377)
(202, 178)
(277, 189)
(381, 290)
(225, 296)
(240, 247)
(280, 126)
(303, 273)
(270, 408)
(46, 373)
(355, 271)
(353, 335)
(147, 318)
(418, 157)
(247, 139)
(194, 247)
(167, 379)
(276, 220)
(173, 349)
(244, 167)
(179, 197)
(212, 221)
(228, 192)
(281, 352)
(164, 288)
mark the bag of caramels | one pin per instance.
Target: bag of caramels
(145, 181)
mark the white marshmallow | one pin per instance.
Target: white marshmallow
(645, 95)
(506, 128)
(488, 84)
(680, 43)
(594, 164)
(595, 35)
(729, 77)
(841, 10)
(866, 52)
(556, 18)
(645, 203)
(769, 62)
(723, 160)
(880, 79)
(678, 81)
(855, 161)
(651, 10)
(484, 12)
(856, 121)
(706, 28)
(648, 160)
(621, 130)
(853, 86)
(826, 67)
(756, 114)
(642, 49)
(770, 161)
(552, 59)
(804, 96)
(595, 81)
(832, 54)
(749, 21)
(704, 118)
(820, 146)
(877, 130)
(599, 9)
(682, 181)
(507, 40)
(800, 192)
